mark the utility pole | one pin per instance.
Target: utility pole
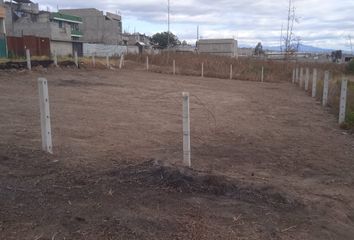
(281, 38)
(350, 42)
(168, 23)
(198, 33)
(287, 41)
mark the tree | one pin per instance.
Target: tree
(336, 56)
(258, 49)
(162, 39)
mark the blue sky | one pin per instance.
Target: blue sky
(322, 23)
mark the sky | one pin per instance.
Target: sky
(321, 23)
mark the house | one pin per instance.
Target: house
(131, 39)
(23, 18)
(98, 27)
(223, 47)
(3, 46)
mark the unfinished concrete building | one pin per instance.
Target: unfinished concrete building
(23, 18)
(223, 47)
(98, 27)
(131, 39)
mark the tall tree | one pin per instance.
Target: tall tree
(163, 38)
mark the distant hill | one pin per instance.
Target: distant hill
(302, 48)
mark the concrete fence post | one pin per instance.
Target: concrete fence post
(296, 75)
(45, 115)
(231, 72)
(174, 67)
(293, 79)
(93, 61)
(343, 101)
(55, 59)
(147, 63)
(262, 74)
(307, 79)
(301, 82)
(325, 89)
(314, 83)
(76, 59)
(28, 58)
(202, 69)
(107, 62)
(121, 61)
(186, 131)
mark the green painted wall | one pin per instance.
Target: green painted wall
(3, 52)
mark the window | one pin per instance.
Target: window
(61, 25)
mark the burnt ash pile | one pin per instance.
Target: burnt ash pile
(187, 180)
(23, 65)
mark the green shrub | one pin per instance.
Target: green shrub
(350, 118)
(350, 67)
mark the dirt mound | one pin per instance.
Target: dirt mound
(191, 181)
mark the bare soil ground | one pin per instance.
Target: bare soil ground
(268, 161)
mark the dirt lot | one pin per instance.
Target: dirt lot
(268, 161)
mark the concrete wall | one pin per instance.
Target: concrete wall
(61, 48)
(245, 52)
(63, 34)
(132, 50)
(96, 28)
(102, 50)
(224, 47)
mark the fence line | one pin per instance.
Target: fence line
(325, 94)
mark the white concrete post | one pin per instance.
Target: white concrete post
(297, 75)
(28, 58)
(262, 75)
(293, 79)
(147, 63)
(121, 61)
(174, 67)
(93, 61)
(314, 83)
(55, 59)
(325, 89)
(202, 69)
(107, 62)
(186, 131)
(343, 101)
(45, 115)
(231, 72)
(301, 77)
(307, 79)
(76, 59)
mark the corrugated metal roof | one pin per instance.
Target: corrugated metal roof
(23, 1)
(66, 17)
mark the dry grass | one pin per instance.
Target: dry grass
(100, 62)
(219, 66)
(250, 69)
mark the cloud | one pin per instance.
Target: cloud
(323, 23)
